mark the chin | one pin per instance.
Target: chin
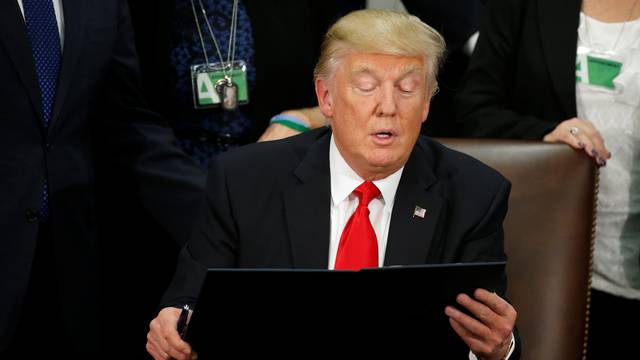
(384, 159)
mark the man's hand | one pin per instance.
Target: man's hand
(163, 340)
(581, 135)
(489, 335)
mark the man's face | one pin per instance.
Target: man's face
(377, 104)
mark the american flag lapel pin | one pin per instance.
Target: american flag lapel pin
(419, 212)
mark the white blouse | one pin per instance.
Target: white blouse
(616, 114)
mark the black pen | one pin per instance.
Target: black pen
(182, 321)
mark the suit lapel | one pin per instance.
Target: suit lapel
(411, 237)
(13, 35)
(307, 207)
(74, 20)
(559, 22)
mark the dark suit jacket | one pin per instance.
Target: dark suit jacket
(269, 207)
(99, 75)
(521, 79)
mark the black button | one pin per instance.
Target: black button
(32, 216)
(49, 147)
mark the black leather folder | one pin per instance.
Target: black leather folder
(280, 310)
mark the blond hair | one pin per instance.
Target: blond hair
(382, 32)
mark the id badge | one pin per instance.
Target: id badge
(213, 87)
(598, 69)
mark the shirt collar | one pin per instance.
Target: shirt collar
(344, 180)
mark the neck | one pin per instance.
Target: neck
(373, 173)
(612, 11)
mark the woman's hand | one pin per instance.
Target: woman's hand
(582, 135)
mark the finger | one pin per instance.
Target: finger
(589, 147)
(156, 338)
(598, 144)
(464, 334)
(556, 136)
(504, 322)
(497, 304)
(178, 348)
(476, 345)
(581, 138)
(176, 355)
(472, 325)
(480, 310)
(155, 353)
(562, 134)
(574, 142)
(570, 139)
(502, 325)
(601, 151)
(165, 338)
(156, 344)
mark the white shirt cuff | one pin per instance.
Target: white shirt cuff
(512, 346)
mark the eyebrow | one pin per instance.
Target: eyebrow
(365, 69)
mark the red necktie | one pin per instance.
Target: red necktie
(358, 244)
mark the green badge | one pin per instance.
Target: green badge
(596, 70)
(214, 85)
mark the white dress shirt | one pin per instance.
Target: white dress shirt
(57, 7)
(343, 203)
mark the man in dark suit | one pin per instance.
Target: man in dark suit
(369, 192)
(63, 63)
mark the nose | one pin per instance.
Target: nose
(386, 101)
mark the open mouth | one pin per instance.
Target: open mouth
(384, 134)
(384, 137)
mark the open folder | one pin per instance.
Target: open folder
(278, 310)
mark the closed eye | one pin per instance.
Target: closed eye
(407, 87)
(409, 84)
(364, 82)
(366, 88)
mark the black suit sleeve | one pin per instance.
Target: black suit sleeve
(213, 243)
(484, 103)
(170, 183)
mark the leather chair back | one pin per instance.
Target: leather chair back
(549, 232)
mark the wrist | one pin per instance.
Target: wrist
(291, 122)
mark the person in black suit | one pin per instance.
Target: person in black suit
(70, 83)
(290, 203)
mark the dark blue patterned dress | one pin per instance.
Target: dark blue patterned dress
(212, 124)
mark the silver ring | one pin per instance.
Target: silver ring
(574, 130)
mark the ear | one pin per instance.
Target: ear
(425, 109)
(325, 100)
